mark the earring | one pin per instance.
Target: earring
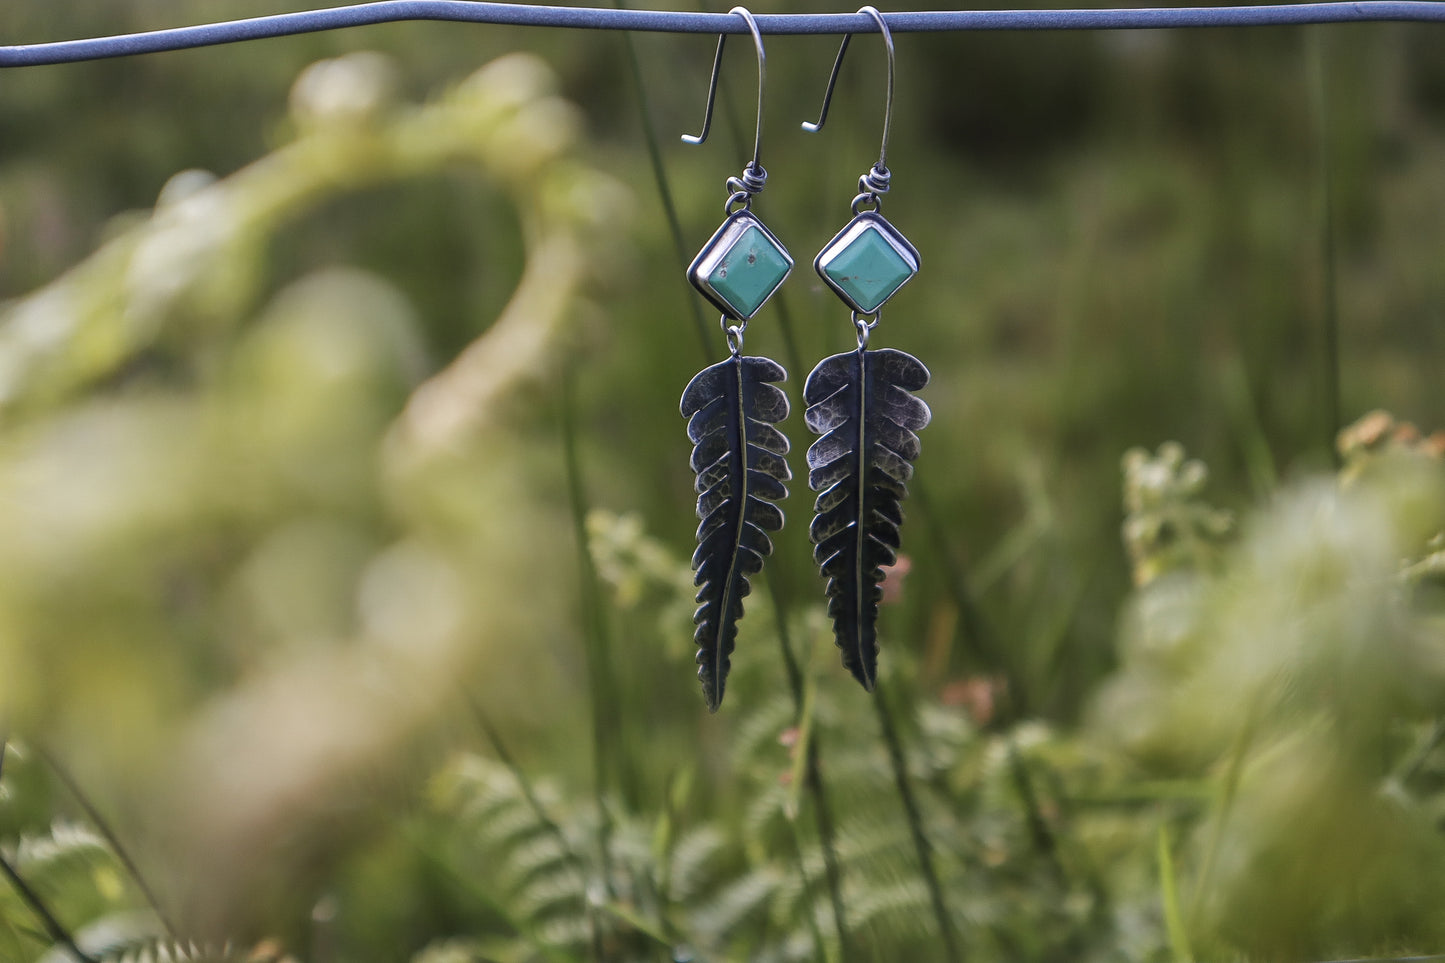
(860, 403)
(732, 407)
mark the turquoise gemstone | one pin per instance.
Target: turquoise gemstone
(749, 271)
(868, 269)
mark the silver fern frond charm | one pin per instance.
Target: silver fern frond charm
(861, 403)
(740, 465)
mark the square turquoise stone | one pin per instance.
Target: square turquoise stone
(751, 270)
(867, 262)
(741, 266)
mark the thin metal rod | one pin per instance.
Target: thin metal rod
(712, 87)
(762, 83)
(872, 11)
(809, 126)
(665, 21)
(701, 135)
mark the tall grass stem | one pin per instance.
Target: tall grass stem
(921, 845)
(534, 802)
(1169, 897)
(813, 775)
(602, 687)
(659, 176)
(1319, 85)
(104, 828)
(53, 927)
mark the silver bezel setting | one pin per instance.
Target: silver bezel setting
(851, 231)
(732, 229)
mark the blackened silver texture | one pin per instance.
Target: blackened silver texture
(740, 465)
(861, 403)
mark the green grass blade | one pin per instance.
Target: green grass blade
(1169, 896)
(1318, 79)
(808, 754)
(659, 176)
(921, 844)
(602, 685)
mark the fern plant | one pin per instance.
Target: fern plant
(750, 887)
(747, 882)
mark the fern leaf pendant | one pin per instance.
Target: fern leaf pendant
(738, 457)
(861, 403)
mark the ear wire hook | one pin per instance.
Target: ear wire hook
(753, 175)
(876, 180)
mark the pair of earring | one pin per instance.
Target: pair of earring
(859, 401)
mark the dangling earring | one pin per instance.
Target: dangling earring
(732, 407)
(860, 403)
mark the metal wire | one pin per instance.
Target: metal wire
(662, 21)
(756, 167)
(812, 128)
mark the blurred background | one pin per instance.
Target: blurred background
(345, 511)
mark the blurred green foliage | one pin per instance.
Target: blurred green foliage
(344, 505)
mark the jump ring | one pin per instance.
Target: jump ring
(864, 326)
(865, 198)
(735, 338)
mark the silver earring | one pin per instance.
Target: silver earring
(861, 403)
(732, 407)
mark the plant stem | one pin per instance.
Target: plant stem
(468, 885)
(1244, 413)
(819, 949)
(543, 819)
(659, 175)
(1169, 897)
(1039, 832)
(1330, 315)
(1407, 771)
(57, 932)
(827, 836)
(534, 803)
(1242, 741)
(813, 776)
(977, 630)
(1012, 706)
(602, 685)
(915, 824)
(108, 833)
